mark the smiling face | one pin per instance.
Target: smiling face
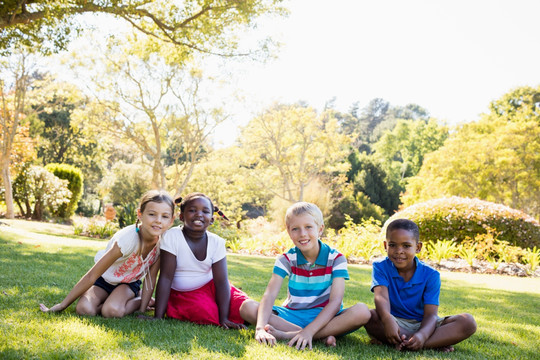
(402, 247)
(155, 219)
(197, 214)
(305, 233)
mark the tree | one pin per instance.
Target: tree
(154, 105)
(208, 26)
(369, 178)
(13, 98)
(291, 145)
(402, 150)
(496, 158)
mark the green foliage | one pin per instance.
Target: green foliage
(361, 241)
(495, 159)
(194, 27)
(467, 252)
(441, 250)
(35, 189)
(368, 177)
(358, 208)
(532, 258)
(75, 184)
(126, 183)
(459, 219)
(96, 226)
(403, 149)
(127, 214)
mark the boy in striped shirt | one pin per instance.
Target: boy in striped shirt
(314, 305)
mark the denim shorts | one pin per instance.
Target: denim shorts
(134, 286)
(301, 317)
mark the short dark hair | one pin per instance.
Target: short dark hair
(404, 224)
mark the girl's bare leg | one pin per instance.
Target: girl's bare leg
(91, 301)
(121, 302)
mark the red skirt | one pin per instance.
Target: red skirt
(199, 306)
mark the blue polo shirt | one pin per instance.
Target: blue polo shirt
(407, 299)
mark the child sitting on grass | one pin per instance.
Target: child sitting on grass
(193, 283)
(407, 297)
(111, 287)
(317, 274)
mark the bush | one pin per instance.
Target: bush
(35, 189)
(361, 241)
(96, 226)
(75, 184)
(459, 219)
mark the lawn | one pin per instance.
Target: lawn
(40, 263)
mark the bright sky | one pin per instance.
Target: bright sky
(452, 58)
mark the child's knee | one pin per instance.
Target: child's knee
(361, 314)
(85, 308)
(469, 324)
(248, 310)
(112, 310)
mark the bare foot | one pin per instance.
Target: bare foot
(374, 341)
(278, 334)
(445, 349)
(330, 341)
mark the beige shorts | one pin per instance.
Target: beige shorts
(412, 326)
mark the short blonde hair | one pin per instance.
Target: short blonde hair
(303, 207)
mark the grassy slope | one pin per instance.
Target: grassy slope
(42, 268)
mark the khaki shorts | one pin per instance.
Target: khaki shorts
(412, 326)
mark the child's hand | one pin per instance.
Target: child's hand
(415, 342)
(55, 308)
(393, 336)
(302, 339)
(262, 336)
(227, 324)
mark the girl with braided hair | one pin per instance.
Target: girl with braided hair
(193, 284)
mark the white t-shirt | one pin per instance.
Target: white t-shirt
(129, 267)
(191, 273)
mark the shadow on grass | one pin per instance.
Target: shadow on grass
(507, 321)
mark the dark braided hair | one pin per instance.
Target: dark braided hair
(192, 196)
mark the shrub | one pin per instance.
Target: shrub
(75, 184)
(441, 250)
(96, 226)
(358, 240)
(459, 219)
(35, 189)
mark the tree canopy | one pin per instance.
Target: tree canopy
(206, 26)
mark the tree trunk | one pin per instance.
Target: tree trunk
(10, 213)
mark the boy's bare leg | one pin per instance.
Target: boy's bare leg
(375, 330)
(453, 330)
(248, 311)
(349, 320)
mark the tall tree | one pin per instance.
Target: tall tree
(150, 103)
(208, 26)
(13, 106)
(291, 145)
(496, 158)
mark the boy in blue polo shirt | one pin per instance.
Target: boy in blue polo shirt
(317, 273)
(407, 297)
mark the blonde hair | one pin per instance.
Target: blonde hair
(303, 207)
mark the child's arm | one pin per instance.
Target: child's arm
(87, 280)
(305, 337)
(382, 306)
(427, 327)
(167, 269)
(265, 310)
(149, 290)
(223, 294)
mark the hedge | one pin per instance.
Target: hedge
(75, 184)
(458, 219)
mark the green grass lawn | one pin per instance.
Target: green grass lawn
(42, 266)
